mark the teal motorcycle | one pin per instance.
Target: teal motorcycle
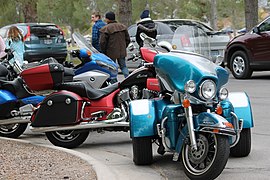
(195, 117)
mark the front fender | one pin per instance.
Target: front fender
(213, 123)
(242, 108)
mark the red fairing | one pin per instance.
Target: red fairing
(148, 54)
(105, 104)
(153, 84)
(38, 78)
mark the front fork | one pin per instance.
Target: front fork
(189, 117)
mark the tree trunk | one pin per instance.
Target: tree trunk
(29, 9)
(213, 19)
(125, 12)
(251, 13)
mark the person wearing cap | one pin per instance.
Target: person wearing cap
(114, 39)
(98, 24)
(147, 26)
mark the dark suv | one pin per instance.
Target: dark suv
(41, 40)
(249, 52)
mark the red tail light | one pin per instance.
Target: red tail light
(27, 36)
(61, 31)
(185, 41)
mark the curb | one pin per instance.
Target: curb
(103, 172)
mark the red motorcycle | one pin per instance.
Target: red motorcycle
(67, 115)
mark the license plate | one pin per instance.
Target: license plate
(214, 53)
(47, 41)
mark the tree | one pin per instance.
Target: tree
(125, 12)
(213, 17)
(251, 13)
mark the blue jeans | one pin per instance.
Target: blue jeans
(123, 67)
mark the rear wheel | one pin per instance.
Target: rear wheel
(239, 65)
(210, 158)
(142, 150)
(243, 147)
(12, 130)
(68, 138)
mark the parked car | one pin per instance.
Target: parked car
(166, 28)
(41, 40)
(250, 51)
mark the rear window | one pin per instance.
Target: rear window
(44, 31)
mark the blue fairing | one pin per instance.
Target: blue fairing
(6, 96)
(33, 100)
(93, 65)
(176, 68)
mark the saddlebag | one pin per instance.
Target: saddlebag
(60, 108)
(44, 77)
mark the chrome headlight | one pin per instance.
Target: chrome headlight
(190, 86)
(223, 93)
(208, 90)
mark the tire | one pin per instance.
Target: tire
(243, 147)
(209, 160)
(142, 150)
(67, 139)
(239, 65)
(12, 130)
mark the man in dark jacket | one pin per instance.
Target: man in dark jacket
(114, 39)
(147, 26)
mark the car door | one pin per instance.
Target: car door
(260, 42)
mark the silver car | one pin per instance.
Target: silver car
(165, 32)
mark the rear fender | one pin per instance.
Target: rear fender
(242, 108)
(142, 118)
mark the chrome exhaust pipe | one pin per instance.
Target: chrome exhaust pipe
(83, 125)
(15, 120)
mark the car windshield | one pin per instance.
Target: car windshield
(45, 30)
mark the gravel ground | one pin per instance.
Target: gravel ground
(26, 161)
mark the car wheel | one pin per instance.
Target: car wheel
(239, 65)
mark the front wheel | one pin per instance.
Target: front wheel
(12, 130)
(210, 158)
(67, 139)
(239, 65)
(243, 147)
(142, 150)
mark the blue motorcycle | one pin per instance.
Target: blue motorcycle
(196, 118)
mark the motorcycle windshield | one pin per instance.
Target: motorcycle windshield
(82, 43)
(191, 38)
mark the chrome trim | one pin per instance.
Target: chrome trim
(15, 120)
(189, 117)
(237, 127)
(162, 133)
(83, 125)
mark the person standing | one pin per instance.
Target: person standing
(15, 42)
(98, 24)
(147, 26)
(114, 39)
(2, 47)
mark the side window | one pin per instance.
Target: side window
(265, 26)
(132, 31)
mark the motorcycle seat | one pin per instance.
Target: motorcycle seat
(15, 87)
(85, 90)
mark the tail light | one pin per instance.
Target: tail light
(185, 41)
(27, 36)
(61, 31)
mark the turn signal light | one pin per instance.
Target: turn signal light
(219, 110)
(88, 53)
(186, 103)
(227, 124)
